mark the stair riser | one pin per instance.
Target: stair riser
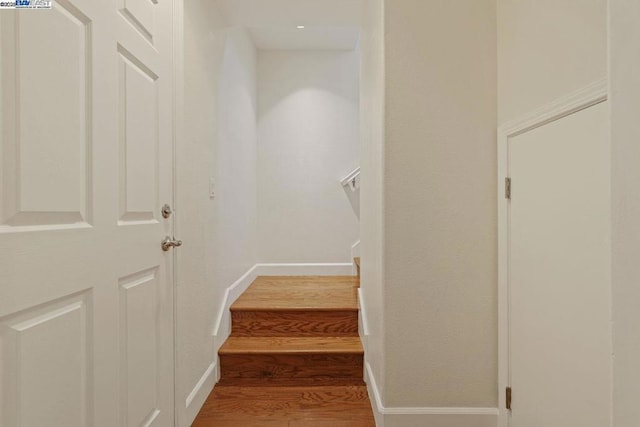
(285, 369)
(294, 323)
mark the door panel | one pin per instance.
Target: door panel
(86, 162)
(559, 273)
(139, 346)
(139, 145)
(141, 15)
(46, 364)
(36, 190)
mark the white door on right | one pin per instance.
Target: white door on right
(559, 273)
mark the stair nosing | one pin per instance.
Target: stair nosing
(222, 352)
(324, 309)
(279, 350)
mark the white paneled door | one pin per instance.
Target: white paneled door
(86, 291)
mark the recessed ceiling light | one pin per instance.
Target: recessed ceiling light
(300, 27)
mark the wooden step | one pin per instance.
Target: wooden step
(303, 293)
(328, 406)
(357, 261)
(291, 361)
(294, 357)
(300, 323)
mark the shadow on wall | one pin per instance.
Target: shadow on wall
(354, 199)
(314, 75)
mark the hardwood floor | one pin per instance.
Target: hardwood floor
(294, 358)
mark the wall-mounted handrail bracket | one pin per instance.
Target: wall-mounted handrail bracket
(352, 180)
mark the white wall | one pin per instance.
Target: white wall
(625, 105)
(440, 261)
(218, 140)
(307, 141)
(371, 191)
(235, 210)
(428, 211)
(546, 49)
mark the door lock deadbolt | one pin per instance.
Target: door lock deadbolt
(166, 211)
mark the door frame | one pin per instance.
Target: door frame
(178, 134)
(583, 98)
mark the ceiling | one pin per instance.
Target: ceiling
(329, 24)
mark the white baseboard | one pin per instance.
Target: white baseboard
(194, 401)
(442, 417)
(328, 269)
(355, 252)
(363, 324)
(415, 416)
(222, 328)
(424, 416)
(355, 249)
(374, 394)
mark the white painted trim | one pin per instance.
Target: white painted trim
(440, 420)
(179, 413)
(585, 97)
(199, 384)
(355, 252)
(194, 401)
(327, 269)
(425, 416)
(441, 411)
(355, 249)
(363, 320)
(221, 332)
(503, 278)
(222, 327)
(374, 395)
(581, 99)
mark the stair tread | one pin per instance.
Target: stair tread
(293, 293)
(357, 261)
(327, 406)
(292, 345)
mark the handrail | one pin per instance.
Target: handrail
(352, 180)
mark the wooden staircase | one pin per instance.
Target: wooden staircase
(294, 357)
(294, 331)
